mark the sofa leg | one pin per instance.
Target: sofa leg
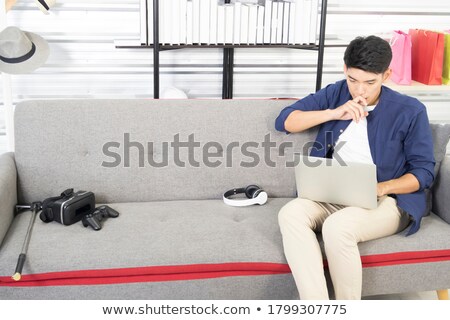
(442, 294)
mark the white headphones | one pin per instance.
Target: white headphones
(255, 195)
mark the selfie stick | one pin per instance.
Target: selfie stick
(35, 207)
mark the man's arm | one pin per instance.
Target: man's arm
(299, 121)
(418, 147)
(407, 183)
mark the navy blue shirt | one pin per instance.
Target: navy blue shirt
(399, 135)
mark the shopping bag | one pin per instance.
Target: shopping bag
(446, 65)
(401, 58)
(427, 56)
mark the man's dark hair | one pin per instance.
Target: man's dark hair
(371, 54)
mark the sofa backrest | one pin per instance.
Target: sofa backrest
(77, 144)
(149, 150)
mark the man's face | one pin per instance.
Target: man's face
(365, 84)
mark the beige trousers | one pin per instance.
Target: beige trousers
(342, 229)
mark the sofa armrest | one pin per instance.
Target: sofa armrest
(8, 191)
(441, 191)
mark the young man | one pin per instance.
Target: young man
(378, 125)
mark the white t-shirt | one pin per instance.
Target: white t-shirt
(356, 147)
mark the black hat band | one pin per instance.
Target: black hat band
(22, 58)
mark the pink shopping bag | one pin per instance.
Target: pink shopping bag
(401, 58)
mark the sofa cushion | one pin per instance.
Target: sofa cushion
(441, 199)
(441, 136)
(152, 241)
(8, 192)
(430, 242)
(184, 240)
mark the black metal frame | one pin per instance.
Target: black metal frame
(228, 53)
(321, 47)
(156, 49)
(227, 78)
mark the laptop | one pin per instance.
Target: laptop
(329, 180)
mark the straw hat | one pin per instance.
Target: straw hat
(21, 51)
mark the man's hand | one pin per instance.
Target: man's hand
(352, 109)
(382, 188)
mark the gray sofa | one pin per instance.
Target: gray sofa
(164, 165)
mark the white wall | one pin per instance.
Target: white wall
(84, 62)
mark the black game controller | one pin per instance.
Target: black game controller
(100, 213)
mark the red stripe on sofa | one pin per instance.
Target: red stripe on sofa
(390, 259)
(147, 274)
(201, 271)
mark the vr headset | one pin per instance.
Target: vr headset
(254, 194)
(68, 208)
